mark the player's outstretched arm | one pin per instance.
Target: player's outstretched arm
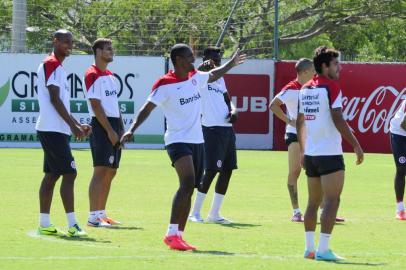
(237, 59)
(142, 115)
(275, 107)
(344, 129)
(300, 128)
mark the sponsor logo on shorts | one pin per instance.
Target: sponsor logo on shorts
(73, 165)
(219, 163)
(402, 160)
(111, 159)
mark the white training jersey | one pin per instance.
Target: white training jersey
(51, 72)
(180, 101)
(102, 85)
(316, 100)
(397, 120)
(214, 107)
(289, 96)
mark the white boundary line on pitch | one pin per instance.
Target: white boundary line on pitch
(34, 234)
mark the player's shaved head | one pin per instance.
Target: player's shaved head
(303, 64)
(179, 49)
(62, 34)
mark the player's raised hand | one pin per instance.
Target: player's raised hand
(126, 137)
(238, 57)
(360, 154)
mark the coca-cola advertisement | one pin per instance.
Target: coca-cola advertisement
(371, 95)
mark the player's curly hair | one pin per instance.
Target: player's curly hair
(323, 55)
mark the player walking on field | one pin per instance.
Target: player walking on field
(101, 91)
(178, 94)
(398, 145)
(218, 116)
(54, 127)
(320, 111)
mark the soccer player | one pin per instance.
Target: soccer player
(398, 145)
(101, 91)
(54, 127)
(289, 96)
(320, 111)
(218, 116)
(178, 94)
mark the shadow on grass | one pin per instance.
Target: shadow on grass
(359, 263)
(240, 225)
(214, 252)
(82, 239)
(130, 228)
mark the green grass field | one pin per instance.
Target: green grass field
(261, 238)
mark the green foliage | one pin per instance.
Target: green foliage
(367, 30)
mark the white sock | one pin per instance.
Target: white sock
(71, 219)
(102, 214)
(93, 215)
(172, 229)
(400, 206)
(180, 233)
(321, 211)
(296, 211)
(216, 205)
(309, 241)
(324, 242)
(44, 220)
(197, 207)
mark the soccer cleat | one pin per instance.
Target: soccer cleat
(187, 244)
(111, 221)
(196, 218)
(401, 215)
(309, 254)
(98, 223)
(50, 230)
(340, 219)
(297, 217)
(218, 220)
(76, 231)
(175, 242)
(329, 255)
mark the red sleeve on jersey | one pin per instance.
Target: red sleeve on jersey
(91, 76)
(293, 85)
(333, 91)
(51, 63)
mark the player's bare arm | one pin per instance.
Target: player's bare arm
(102, 118)
(142, 115)
(300, 127)
(237, 59)
(60, 108)
(275, 107)
(233, 113)
(403, 124)
(344, 129)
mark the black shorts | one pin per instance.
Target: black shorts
(58, 157)
(398, 145)
(196, 150)
(290, 138)
(317, 166)
(219, 148)
(103, 152)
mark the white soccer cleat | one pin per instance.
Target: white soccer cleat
(196, 218)
(218, 220)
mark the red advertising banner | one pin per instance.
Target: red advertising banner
(371, 95)
(250, 94)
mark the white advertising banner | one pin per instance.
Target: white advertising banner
(19, 108)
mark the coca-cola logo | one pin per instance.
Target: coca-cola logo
(375, 111)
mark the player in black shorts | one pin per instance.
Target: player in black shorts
(55, 126)
(218, 115)
(102, 90)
